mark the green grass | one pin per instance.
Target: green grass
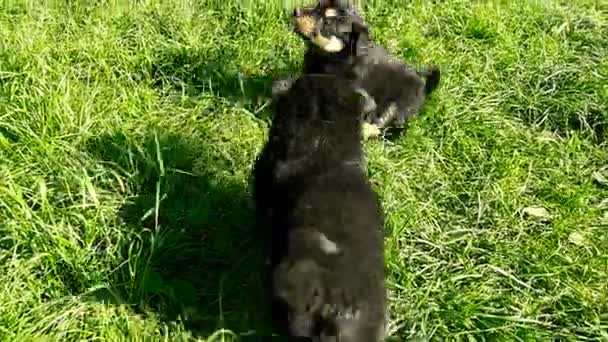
(127, 136)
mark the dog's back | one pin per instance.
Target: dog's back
(314, 140)
(333, 196)
(342, 206)
(312, 176)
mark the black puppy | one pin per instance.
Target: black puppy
(339, 42)
(321, 214)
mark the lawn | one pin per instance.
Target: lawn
(127, 136)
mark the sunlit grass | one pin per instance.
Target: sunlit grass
(127, 135)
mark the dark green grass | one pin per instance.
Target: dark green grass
(127, 136)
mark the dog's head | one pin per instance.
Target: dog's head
(332, 26)
(300, 285)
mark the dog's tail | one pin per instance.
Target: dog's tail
(432, 76)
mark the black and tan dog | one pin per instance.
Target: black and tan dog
(339, 42)
(315, 202)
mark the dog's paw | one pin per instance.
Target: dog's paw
(370, 131)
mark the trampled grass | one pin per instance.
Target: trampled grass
(127, 135)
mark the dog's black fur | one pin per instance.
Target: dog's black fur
(399, 90)
(311, 176)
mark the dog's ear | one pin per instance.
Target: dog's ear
(359, 38)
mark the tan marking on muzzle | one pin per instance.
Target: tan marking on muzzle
(331, 44)
(331, 12)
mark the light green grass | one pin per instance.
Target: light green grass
(127, 136)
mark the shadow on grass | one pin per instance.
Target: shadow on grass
(191, 252)
(193, 72)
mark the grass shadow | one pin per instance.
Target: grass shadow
(191, 254)
(193, 72)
